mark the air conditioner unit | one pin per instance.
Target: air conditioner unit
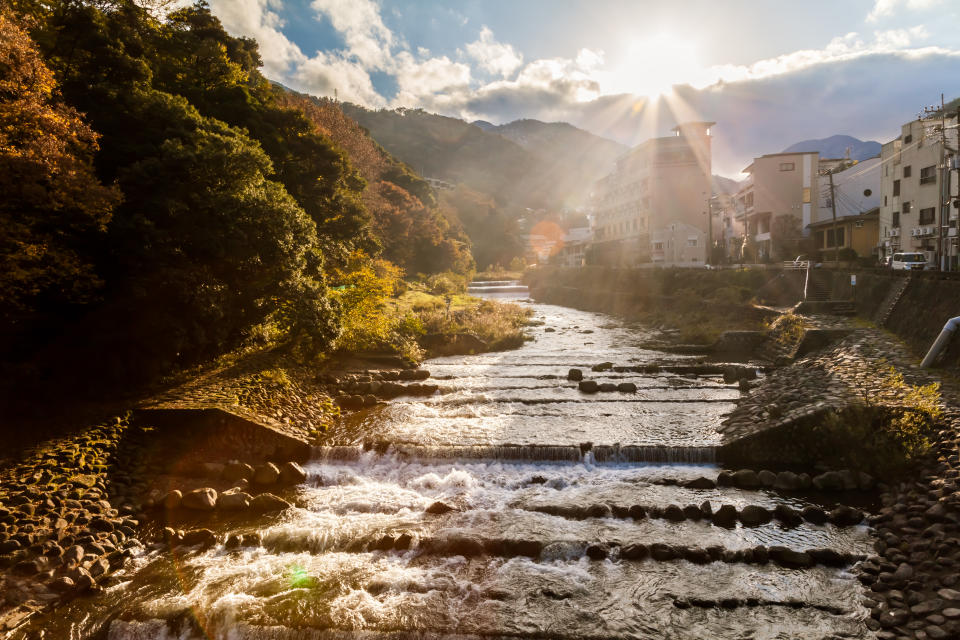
(914, 232)
(927, 231)
(895, 232)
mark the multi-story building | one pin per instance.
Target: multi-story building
(777, 184)
(915, 211)
(855, 200)
(653, 206)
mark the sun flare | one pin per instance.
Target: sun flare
(653, 65)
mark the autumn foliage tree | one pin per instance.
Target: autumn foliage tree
(53, 210)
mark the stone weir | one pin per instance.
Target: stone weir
(217, 434)
(585, 452)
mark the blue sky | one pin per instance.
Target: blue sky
(770, 73)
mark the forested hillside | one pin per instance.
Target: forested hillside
(523, 164)
(163, 202)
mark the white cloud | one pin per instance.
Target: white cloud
(887, 8)
(256, 19)
(367, 38)
(494, 56)
(329, 74)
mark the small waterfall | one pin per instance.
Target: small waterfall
(599, 454)
(496, 286)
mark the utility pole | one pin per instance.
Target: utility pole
(833, 209)
(709, 256)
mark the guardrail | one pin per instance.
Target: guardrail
(796, 265)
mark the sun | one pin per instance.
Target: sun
(654, 64)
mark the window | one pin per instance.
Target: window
(896, 188)
(787, 166)
(896, 219)
(819, 239)
(806, 194)
(907, 171)
(927, 216)
(928, 175)
(658, 246)
(749, 199)
(830, 242)
(907, 139)
(691, 242)
(884, 200)
(906, 208)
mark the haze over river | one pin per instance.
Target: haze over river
(501, 444)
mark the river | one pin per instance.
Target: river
(537, 478)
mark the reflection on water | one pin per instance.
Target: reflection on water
(499, 445)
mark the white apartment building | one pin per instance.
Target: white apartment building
(658, 189)
(916, 210)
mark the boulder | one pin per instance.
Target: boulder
(438, 508)
(789, 558)
(725, 479)
(603, 366)
(828, 481)
(674, 513)
(598, 511)
(813, 514)
(233, 501)
(787, 515)
(753, 516)
(637, 512)
(607, 387)
(787, 481)
(210, 470)
(203, 499)
(661, 551)
(700, 483)
(292, 473)
(575, 375)
(697, 555)
(844, 516)
(627, 387)
(767, 478)
(173, 499)
(634, 552)
(266, 474)
(725, 516)
(588, 386)
(746, 479)
(266, 502)
(236, 470)
(828, 557)
(692, 512)
(204, 538)
(597, 551)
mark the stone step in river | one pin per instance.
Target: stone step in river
(510, 505)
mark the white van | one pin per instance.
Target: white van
(909, 261)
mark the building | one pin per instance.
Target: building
(778, 184)
(727, 231)
(916, 212)
(573, 249)
(857, 231)
(658, 189)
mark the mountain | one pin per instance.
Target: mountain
(526, 163)
(836, 147)
(724, 185)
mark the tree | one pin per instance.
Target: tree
(53, 207)
(786, 236)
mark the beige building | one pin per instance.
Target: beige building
(857, 232)
(657, 190)
(777, 184)
(915, 209)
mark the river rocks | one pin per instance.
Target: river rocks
(845, 516)
(813, 514)
(575, 375)
(789, 558)
(662, 552)
(725, 516)
(753, 516)
(233, 501)
(236, 470)
(627, 387)
(173, 499)
(267, 502)
(787, 481)
(439, 508)
(588, 386)
(204, 499)
(767, 478)
(634, 552)
(637, 512)
(292, 473)
(599, 511)
(266, 474)
(597, 551)
(746, 479)
(700, 483)
(787, 515)
(607, 387)
(673, 513)
(603, 366)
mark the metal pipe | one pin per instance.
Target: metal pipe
(941, 342)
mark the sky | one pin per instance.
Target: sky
(769, 73)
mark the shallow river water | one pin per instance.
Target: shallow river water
(501, 444)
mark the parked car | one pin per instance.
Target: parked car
(910, 262)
